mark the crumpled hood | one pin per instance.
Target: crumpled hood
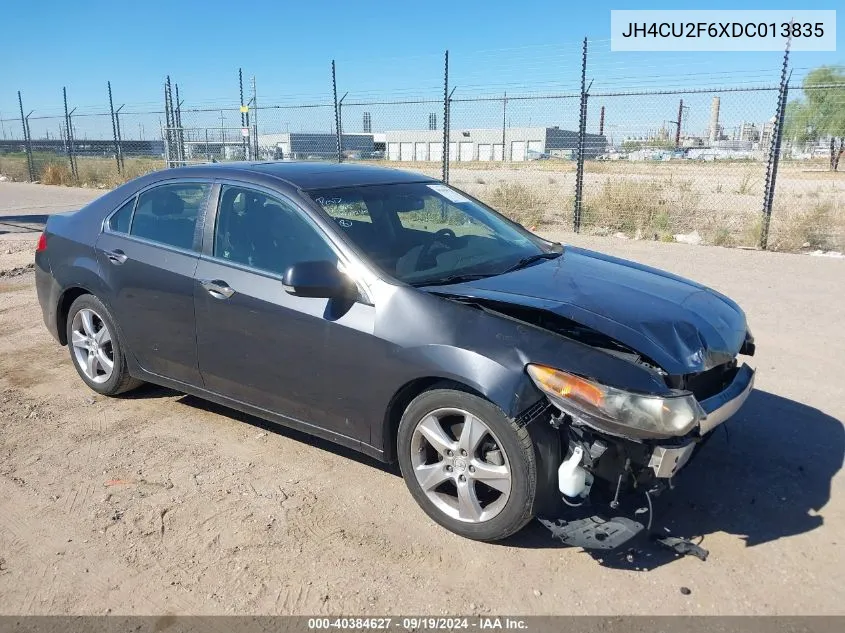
(682, 326)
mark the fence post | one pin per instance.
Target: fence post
(26, 141)
(244, 125)
(69, 128)
(180, 131)
(337, 116)
(256, 155)
(444, 174)
(582, 128)
(774, 150)
(120, 138)
(168, 122)
(504, 123)
(114, 130)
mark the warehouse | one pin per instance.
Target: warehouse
(509, 144)
(304, 145)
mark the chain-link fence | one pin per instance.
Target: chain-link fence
(734, 165)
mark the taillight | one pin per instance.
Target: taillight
(42, 243)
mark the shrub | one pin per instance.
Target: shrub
(518, 202)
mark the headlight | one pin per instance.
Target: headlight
(614, 410)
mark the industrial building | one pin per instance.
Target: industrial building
(304, 145)
(508, 144)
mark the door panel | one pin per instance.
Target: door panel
(294, 356)
(150, 274)
(152, 301)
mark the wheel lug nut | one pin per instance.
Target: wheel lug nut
(448, 469)
(472, 469)
(449, 453)
(463, 452)
(463, 478)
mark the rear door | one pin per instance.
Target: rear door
(148, 254)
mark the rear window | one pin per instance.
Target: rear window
(168, 214)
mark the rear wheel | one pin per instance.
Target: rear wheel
(95, 347)
(467, 465)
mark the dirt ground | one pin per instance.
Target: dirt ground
(160, 503)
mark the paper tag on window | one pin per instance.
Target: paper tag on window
(450, 194)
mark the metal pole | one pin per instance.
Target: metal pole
(337, 116)
(582, 127)
(244, 124)
(31, 160)
(179, 131)
(120, 138)
(168, 146)
(69, 124)
(774, 151)
(444, 176)
(114, 130)
(504, 122)
(255, 119)
(680, 121)
(27, 146)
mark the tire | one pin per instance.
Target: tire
(444, 485)
(91, 325)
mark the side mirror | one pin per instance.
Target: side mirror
(319, 279)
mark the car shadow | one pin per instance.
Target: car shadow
(284, 431)
(763, 476)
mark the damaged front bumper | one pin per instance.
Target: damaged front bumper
(666, 461)
(620, 468)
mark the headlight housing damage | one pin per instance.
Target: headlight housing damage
(617, 411)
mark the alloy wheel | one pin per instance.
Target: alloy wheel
(460, 465)
(92, 345)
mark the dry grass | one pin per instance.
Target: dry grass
(636, 208)
(518, 202)
(100, 173)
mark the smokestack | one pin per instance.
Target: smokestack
(714, 120)
(601, 122)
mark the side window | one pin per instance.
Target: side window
(264, 232)
(168, 214)
(119, 221)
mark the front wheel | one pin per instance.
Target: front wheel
(469, 467)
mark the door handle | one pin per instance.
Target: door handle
(116, 256)
(217, 288)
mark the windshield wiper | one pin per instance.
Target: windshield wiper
(526, 261)
(452, 279)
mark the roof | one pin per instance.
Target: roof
(317, 175)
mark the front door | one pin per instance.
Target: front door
(293, 356)
(148, 253)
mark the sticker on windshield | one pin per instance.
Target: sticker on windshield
(450, 194)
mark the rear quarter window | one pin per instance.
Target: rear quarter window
(122, 218)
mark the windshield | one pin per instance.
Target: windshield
(424, 233)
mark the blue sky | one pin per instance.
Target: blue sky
(383, 49)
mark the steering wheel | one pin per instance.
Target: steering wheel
(425, 253)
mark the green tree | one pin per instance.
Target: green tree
(820, 112)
